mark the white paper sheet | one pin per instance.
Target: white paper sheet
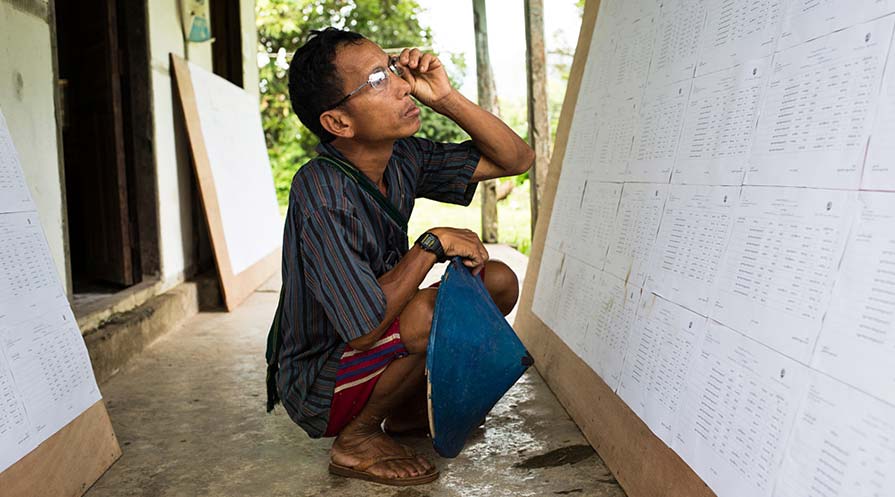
(14, 194)
(658, 132)
(631, 56)
(612, 310)
(692, 239)
(818, 110)
(628, 8)
(549, 280)
(565, 211)
(677, 40)
(16, 439)
(736, 413)
(780, 264)
(51, 368)
(29, 283)
(593, 221)
(596, 81)
(739, 31)
(581, 148)
(575, 311)
(45, 375)
(842, 445)
(617, 127)
(879, 169)
(718, 125)
(857, 342)
(634, 231)
(809, 19)
(664, 339)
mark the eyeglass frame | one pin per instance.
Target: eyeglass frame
(392, 66)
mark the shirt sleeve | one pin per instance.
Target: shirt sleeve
(338, 275)
(446, 170)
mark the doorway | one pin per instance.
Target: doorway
(102, 49)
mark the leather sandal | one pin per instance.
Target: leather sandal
(360, 472)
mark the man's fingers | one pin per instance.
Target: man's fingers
(426, 61)
(414, 58)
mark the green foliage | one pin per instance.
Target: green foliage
(283, 25)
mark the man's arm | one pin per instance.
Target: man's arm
(401, 283)
(504, 153)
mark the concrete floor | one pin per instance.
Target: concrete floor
(189, 414)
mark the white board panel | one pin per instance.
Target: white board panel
(231, 127)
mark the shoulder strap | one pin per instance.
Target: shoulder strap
(366, 185)
(273, 336)
(273, 355)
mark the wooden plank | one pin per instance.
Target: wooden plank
(640, 461)
(67, 463)
(234, 287)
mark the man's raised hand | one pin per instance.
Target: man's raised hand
(428, 80)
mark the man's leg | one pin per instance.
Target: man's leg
(362, 439)
(503, 286)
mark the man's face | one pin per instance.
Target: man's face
(386, 112)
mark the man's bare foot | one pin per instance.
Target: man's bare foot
(362, 448)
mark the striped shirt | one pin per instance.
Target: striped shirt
(337, 242)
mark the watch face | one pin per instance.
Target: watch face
(428, 241)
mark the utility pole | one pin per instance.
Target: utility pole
(538, 120)
(488, 101)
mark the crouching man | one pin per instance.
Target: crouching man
(353, 325)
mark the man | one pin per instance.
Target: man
(354, 324)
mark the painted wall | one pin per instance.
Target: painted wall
(249, 47)
(26, 99)
(175, 181)
(179, 230)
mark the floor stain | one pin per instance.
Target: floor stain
(565, 455)
(410, 492)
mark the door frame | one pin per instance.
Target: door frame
(139, 126)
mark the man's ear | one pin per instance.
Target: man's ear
(337, 123)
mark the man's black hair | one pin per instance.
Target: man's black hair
(314, 82)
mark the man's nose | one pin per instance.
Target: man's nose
(403, 86)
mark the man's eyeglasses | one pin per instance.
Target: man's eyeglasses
(375, 80)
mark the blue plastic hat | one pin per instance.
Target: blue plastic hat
(473, 358)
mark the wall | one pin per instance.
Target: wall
(26, 99)
(249, 47)
(180, 235)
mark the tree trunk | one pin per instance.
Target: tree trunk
(488, 101)
(538, 119)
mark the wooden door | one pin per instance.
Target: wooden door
(100, 232)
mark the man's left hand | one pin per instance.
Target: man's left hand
(428, 80)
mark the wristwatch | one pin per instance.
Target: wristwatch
(430, 243)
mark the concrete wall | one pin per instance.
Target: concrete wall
(173, 168)
(26, 100)
(249, 47)
(179, 235)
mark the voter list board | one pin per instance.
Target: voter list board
(721, 248)
(46, 379)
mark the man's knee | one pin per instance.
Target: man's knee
(416, 321)
(502, 284)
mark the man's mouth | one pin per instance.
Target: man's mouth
(411, 111)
